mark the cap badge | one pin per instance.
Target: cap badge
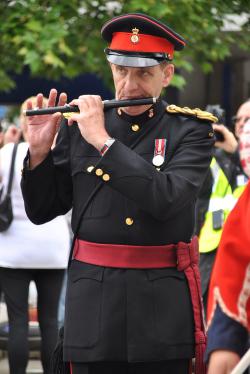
(135, 37)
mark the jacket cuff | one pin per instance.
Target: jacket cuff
(26, 171)
(226, 334)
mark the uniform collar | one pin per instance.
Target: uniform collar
(143, 117)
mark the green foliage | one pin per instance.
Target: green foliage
(62, 38)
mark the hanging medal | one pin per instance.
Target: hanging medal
(159, 152)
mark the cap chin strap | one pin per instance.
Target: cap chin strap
(135, 59)
(155, 55)
(132, 61)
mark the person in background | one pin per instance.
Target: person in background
(1, 144)
(1, 135)
(242, 116)
(229, 293)
(61, 306)
(29, 252)
(12, 134)
(132, 175)
(221, 189)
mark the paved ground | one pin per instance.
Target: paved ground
(34, 366)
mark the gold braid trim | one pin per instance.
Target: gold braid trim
(198, 113)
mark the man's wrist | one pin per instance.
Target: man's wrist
(106, 146)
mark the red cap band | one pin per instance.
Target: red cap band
(123, 41)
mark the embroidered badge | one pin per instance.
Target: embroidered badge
(135, 37)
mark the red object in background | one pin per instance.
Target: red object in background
(229, 284)
(33, 314)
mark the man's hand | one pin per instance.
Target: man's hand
(90, 120)
(222, 362)
(229, 144)
(42, 128)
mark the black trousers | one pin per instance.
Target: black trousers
(164, 367)
(15, 286)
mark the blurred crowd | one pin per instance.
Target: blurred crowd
(11, 135)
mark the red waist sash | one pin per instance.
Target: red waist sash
(125, 256)
(184, 256)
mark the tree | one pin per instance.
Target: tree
(55, 39)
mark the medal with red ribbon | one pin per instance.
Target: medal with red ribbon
(159, 152)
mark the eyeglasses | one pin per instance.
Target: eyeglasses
(236, 119)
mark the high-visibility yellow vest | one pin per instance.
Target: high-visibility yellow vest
(223, 198)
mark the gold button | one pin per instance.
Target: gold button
(210, 134)
(106, 177)
(129, 221)
(99, 172)
(135, 127)
(90, 168)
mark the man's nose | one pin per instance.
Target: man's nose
(131, 82)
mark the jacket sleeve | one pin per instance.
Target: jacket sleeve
(47, 189)
(166, 192)
(202, 202)
(225, 333)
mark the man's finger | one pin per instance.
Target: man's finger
(62, 99)
(52, 97)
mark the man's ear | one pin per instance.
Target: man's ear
(168, 72)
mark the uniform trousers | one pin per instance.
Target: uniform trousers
(15, 285)
(164, 367)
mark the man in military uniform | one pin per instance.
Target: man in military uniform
(132, 175)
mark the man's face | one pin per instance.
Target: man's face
(242, 116)
(137, 82)
(244, 142)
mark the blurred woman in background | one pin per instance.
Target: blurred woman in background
(29, 252)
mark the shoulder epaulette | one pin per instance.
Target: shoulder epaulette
(198, 113)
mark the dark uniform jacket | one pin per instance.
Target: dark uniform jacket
(126, 314)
